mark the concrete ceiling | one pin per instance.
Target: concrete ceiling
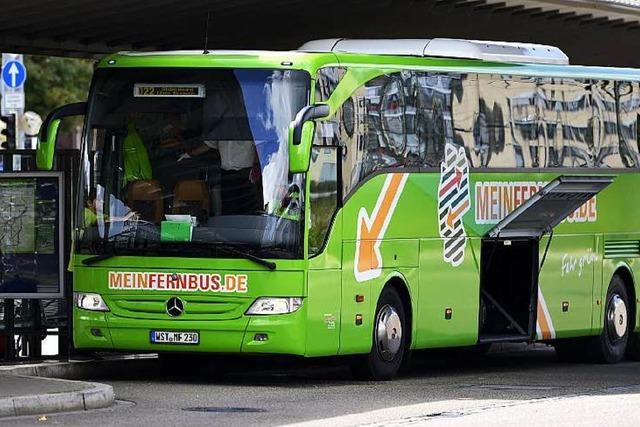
(604, 32)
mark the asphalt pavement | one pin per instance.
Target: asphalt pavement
(510, 388)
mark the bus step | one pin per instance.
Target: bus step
(503, 338)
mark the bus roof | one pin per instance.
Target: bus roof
(445, 55)
(445, 48)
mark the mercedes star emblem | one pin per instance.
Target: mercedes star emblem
(175, 307)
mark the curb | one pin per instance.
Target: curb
(72, 370)
(93, 396)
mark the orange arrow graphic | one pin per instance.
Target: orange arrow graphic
(371, 229)
(453, 215)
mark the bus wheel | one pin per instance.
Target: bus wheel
(610, 346)
(389, 340)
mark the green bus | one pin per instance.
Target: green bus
(363, 198)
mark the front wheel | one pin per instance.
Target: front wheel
(389, 340)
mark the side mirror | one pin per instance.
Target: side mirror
(301, 131)
(49, 133)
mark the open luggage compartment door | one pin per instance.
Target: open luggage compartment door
(509, 257)
(550, 206)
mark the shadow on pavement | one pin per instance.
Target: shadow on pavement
(300, 372)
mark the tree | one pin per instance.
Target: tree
(52, 82)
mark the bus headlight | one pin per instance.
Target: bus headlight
(273, 305)
(93, 302)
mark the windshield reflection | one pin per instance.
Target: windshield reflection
(175, 157)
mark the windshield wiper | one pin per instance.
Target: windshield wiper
(213, 247)
(232, 249)
(223, 246)
(98, 258)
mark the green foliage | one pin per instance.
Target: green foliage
(52, 82)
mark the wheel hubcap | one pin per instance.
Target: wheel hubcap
(388, 332)
(617, 317)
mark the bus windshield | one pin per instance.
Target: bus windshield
(179, 162)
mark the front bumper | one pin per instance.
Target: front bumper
(286, 333)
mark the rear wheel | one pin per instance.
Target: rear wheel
(389, 340)
(610, 346)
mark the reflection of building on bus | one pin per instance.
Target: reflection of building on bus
(555, 122)
(404, 119)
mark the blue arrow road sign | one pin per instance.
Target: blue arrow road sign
(14, 74)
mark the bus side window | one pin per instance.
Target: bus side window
(403, 120)
(327, 80)
(616, 103)
(589, 123)
(506, 130)
(323, 194)
(567, 122)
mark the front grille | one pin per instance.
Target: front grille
(195, 307)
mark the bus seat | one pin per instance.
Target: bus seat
(191, 197)
(145, 198)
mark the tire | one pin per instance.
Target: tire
(611, 345)
(388, 350)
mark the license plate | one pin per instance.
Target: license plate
(173, 337)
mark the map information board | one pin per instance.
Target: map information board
(31, 239)
(17, 216)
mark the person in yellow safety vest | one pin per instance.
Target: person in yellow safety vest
(136, 159)
(290, 206)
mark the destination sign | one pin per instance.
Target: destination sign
(143, 90)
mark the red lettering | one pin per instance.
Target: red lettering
(182, 281)
(171, 282)
(215, 282)
(193, 282)
(204, 282)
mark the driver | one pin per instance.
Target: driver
(241, 191)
